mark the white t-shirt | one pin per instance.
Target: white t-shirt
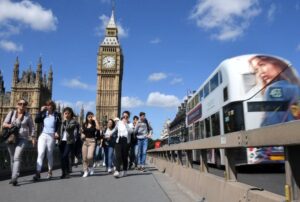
(122, 130)
(64, 136)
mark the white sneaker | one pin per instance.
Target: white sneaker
(116, 174)
(109, 170)
(124, 174)
(91, 171)
(94, 165)
(103, 164)
(85, 174)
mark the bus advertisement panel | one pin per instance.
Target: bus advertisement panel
(280, 89)
(243, 93)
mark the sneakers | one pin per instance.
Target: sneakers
(49, 176)
(116, 174)
(91, 171)
(95, 164)
(142, 169)
(85, 174)
(109, 170)
(124, 173)
(36, 177)
(14, 182)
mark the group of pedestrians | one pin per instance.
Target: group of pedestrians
(124, 143)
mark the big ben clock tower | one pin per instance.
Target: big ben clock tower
(109, 74)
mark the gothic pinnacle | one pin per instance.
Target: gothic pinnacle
(17, 60)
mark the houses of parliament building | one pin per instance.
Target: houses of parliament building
(34, 87)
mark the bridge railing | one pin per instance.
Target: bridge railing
(170, 159)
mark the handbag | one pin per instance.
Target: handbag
(6, 132)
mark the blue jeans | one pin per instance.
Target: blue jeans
(98, 153)
(108, 152)
(142, 151)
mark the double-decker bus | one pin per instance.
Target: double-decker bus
(242, 93)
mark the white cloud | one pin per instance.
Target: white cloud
(87, 106)
(157, 99)
(271, 12)
(176, 80)
(100, 30)
(63, 103)
(157, 76)
(15, 15)
(6, 30)
(155, 41)
(131, 102)
(10, 46)
(76, 83)
(28, 13)
(228, 18)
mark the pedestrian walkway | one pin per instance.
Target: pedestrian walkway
(135, 187)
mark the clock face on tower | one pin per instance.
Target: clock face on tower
(108, 61)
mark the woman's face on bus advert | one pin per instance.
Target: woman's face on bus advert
(266, 70)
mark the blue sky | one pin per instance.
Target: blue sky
(169, 46)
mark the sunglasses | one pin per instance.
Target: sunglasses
(22, 104)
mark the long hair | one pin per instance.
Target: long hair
(52, 103)
(86, 119)
(286, 71)
(113, 123)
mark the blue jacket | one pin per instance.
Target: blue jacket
(288, 94)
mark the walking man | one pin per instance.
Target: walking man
(143, 132)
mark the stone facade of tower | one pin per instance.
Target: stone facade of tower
(32, 86)
(109, 74)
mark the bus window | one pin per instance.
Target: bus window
(220, 77)
(225, 94)
(191, 133)
(268, 106)
(207, 127)
(197, 131)
(202, 130)
(201, 95)
(197, 99)
(206, 90)
(233, 117)
(249, 81)
(215, 121)
(214, 82)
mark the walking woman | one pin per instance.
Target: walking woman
(109, 143)
(51, 121)
(89, 136)
(122, 144)
(67, 140)
(21, 119)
